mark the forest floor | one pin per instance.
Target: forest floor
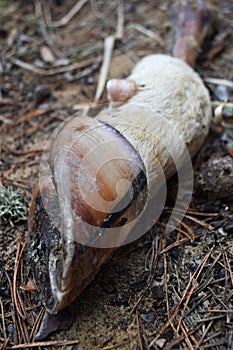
(164, 291)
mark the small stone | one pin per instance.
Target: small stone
(149, 316)
(221, 273)
(10, 330)
(4, 292)
(229, 227)
(47, 54)
(222, 232)
(4, 91)
(175, 252)
(123, 299)
(157, 292)
(160, 342)
(216, 224)
(195, 264)
(41, 93)
(129, 7)
(211, 207)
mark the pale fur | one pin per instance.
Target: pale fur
(172, 105)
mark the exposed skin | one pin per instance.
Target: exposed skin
(121, 90)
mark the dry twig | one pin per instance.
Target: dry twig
(108, 49)
(46, 343)
(53, 71)
(66, 19)
(217, 81)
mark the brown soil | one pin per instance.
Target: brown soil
(163, 291)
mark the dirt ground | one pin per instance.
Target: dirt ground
(163, 291)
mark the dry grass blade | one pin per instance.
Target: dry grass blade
(216, 81)
(192, 212)
(179, 339)
(43, 27)
(192, 282)
(178, 243)
(46, 343)
(3, 319)
(182, 223)
(108, 48)
(210, 338)
(204, 335)
(53, 71)
(228, 267)
(177, 229)
(186, 294)
(110, 347)
(36, 325)
(66, 19)
(155, 251)
(109, 43)
(23, 335)
(204, 281)
(7, 101)
(147, 32)
(4, 344)
(200, 222)
(139, 332)
(175, 244)
(170, 320)
(186, 336)
(32, 114)
(15, 336)
(20, 250)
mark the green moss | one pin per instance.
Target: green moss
(5, 3)
(12, 206)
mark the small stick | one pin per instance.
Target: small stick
(166, 292)
(54, 71)
(147, 32)
(185, 294)
(65, 20)
(32, 114)
(177, 229)
(138, 331)
(177, 244)
(17, 260)
(191, 25)
(7, 101)
(3, 319)
(46, 343)
(192, 237)
(108, 49)
(37, 324)
(228, 268)
(200, 222)
(193, 212)
(13, 308)
(22, 330)
(217, 81)
(47, 38)
(4, 344)
(186, 337)
(192, 284)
